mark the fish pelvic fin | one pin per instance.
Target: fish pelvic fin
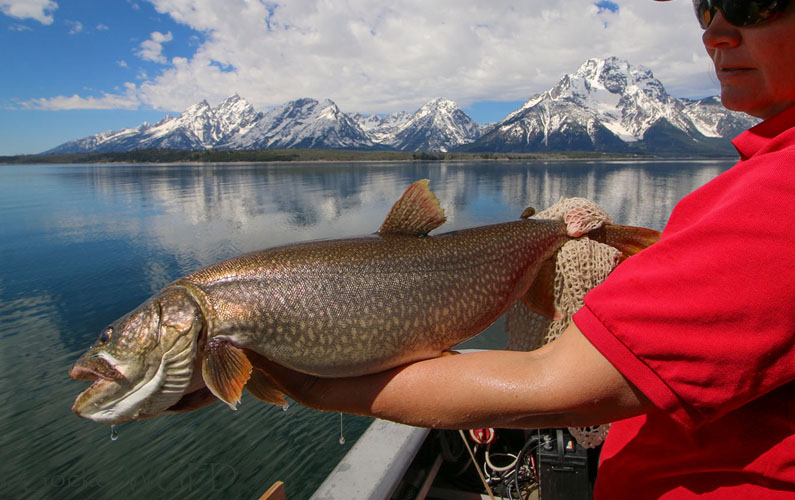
(540, 298)
(225, 370)
(264, 388)
(416, 213)
(629, 240)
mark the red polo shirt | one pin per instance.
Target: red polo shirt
(703, 323)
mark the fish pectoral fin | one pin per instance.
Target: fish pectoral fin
(416, 213)
(540, 298)
(225, 370)
(264, 388)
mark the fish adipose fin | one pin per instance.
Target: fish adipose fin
(263, 387)
(540, 298)
(225, 370)
(416, 213)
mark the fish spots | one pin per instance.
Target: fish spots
(327, 306)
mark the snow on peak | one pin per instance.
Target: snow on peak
(605, 103)
(438, 125)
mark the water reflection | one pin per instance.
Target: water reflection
(81, 245)
(205, 213)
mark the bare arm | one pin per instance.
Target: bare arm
(565, 383)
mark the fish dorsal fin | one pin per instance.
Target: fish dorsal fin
(416, 213)
(225, 370)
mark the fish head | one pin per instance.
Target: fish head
(144, 362)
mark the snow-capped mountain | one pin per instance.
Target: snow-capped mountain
(713, 120)
(440, 125)
(610, 105)
(382, 128)
(606, 105)
(198, 127)
(303, 123)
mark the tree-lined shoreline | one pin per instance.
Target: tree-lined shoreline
(303, 155)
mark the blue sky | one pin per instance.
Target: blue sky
(76, 68)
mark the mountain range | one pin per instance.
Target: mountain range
(607, 105)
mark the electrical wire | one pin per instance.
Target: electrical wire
(527, 448)
(501, 469)
(474, 462)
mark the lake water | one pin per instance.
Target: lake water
(81, 245)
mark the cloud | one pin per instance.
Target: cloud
(152, 49)
(40, 10)
(75, 27)
(389, 55)
(127, 100)
(102, 27)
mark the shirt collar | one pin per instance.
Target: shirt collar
(752, 140)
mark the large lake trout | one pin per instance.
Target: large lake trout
(333, 308)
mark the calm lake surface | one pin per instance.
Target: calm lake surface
(81, 245)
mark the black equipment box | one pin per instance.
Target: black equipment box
(563, 467)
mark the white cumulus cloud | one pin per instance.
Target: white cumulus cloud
(152, 49)
(389, 55)
(40, 10)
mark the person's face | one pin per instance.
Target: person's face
(756, 64)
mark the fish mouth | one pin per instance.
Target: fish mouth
(114, 398)
(106, 380)
(95, 369)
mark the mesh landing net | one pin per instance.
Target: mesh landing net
(580, 265)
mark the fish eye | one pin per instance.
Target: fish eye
(105, 336)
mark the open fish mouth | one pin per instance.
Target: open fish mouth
(95, 369)
(105, 378)
(115, 398)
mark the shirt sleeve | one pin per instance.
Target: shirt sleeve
(704, 321)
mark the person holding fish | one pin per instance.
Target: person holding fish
(687, 347)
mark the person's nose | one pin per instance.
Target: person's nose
(720, 34)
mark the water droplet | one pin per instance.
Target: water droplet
(342, 435)
(114, 434)
(285, 407)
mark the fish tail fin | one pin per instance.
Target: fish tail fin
(225, 370)
(629, 240)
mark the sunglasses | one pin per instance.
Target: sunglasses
(738, 13)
